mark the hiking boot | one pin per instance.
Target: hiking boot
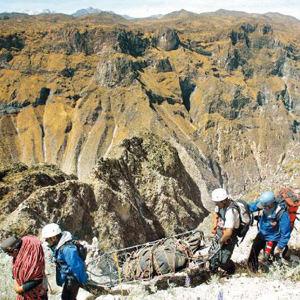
(213, 270)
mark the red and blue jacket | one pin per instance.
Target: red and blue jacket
(272, 228)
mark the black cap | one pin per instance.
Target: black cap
(10, 244)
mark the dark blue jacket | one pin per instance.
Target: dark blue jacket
(272, 229)
(69, 264)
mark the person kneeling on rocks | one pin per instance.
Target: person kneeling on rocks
(226, 220)
(274, 229)
(28, 267)
(70, 268)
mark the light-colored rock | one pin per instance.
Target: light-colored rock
(84, 295)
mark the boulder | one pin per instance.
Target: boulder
(69, 204)
(167, 39)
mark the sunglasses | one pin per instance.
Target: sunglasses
(268, 206)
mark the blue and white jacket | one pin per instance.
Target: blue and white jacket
(69, 264)
(270, 227)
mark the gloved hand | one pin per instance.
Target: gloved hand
(218, 241)
(71, 280)
(215, 230)
(278, 251)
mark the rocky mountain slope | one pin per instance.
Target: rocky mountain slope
(143, 194)
(136, 121)
(222, 88)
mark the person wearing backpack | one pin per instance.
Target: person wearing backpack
(70, 268)
(226, 224)
(273, 232)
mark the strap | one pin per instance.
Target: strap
(59, 262)
(279, 212)
(235, 206)
(258, 219)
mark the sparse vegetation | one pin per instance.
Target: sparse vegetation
(283, 271)
(215, 278)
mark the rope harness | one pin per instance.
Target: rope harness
(110, 274)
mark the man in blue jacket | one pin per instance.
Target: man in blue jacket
(274, 229)
(70, 269)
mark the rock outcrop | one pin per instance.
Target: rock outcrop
(167, 39)
(18, 182)
(143, 195)
(116, 71)
(69, 204)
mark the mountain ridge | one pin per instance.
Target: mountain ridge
(175, 14)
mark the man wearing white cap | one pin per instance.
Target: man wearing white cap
(70, 268)
(226, 220)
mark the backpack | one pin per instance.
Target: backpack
(169, 256)
(290, 202)
(246, 217)
(139, 264)
(81, 249)
(195, 241)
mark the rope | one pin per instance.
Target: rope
(107, 258)
(138, 246)
(29, 265)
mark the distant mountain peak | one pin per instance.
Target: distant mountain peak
(179, 14)
(36, 11)
(86, 11)
(229, 12)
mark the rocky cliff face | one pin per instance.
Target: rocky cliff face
(142, 195)
(18, 182)
(145, 193)
(222, 89)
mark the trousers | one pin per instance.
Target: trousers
(222, 258)
(259, 243)
(70, 289)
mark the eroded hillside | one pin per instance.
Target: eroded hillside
(223, 88)
(141, 195)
